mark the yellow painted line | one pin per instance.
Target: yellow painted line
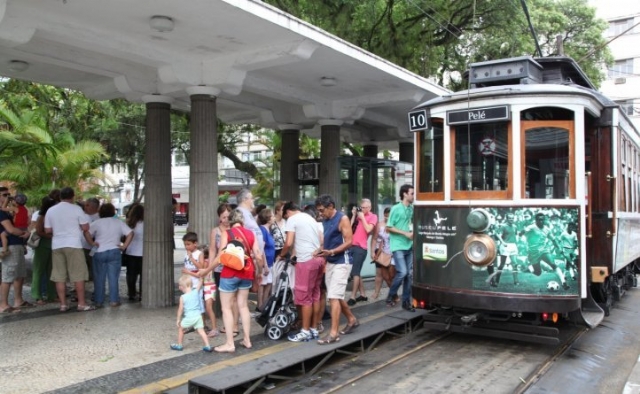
(182, 379)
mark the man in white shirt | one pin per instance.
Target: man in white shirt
(303, 235)
(67, 222)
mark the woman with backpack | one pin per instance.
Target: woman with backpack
(236, 283)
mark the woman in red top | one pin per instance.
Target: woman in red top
(235, 284)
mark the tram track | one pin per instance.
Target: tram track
(395, 359)
(544, 367)
(427, 361)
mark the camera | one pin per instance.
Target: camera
(358, 209)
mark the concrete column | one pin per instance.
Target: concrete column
(158, 281)
(329, 159)
(289, 156)
(406, 151)
(370, 178)
(203, 162)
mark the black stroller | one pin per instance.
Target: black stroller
(279, 313)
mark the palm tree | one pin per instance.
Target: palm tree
(34, 161)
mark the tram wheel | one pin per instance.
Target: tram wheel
(273, 332)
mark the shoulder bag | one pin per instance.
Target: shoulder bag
(34, 239)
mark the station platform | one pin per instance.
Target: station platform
(125, 349)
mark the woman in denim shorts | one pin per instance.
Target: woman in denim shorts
(235, 284)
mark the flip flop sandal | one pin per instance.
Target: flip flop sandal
(328, 340)
(24, 304)
(86, 308)
(10, 309)
(348, 329)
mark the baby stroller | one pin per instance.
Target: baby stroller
(279, 313)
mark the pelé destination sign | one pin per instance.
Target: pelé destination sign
(479, 115)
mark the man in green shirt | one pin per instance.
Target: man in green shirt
(400, 228)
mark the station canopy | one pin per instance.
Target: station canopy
(265, 66)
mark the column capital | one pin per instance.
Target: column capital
(157, 98)
(330, 122)
(202, 89)
(289, 126)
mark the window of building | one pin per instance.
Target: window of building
(618, 27)
(626, 106)
(621, 68)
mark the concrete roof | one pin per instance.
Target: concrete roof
(266, 65)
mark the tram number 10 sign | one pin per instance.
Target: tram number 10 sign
(418, 120)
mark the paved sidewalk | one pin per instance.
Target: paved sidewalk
(43, 349)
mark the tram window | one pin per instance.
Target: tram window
(431, 160)
(481, 157)
(547, 162)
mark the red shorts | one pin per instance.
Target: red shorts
(308, 278)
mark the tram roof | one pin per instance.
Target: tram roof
(514, 90)
(271, 69)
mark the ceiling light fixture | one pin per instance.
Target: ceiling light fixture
(161, 23)
(18, 65)
(328, 81)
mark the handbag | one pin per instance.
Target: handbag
(34, 239)
(384, 259)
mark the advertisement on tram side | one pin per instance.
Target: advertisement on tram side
(537, 250)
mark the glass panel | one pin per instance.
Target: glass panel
(546, 163)
(481, 157)
(431, 160)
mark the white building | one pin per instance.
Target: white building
(623, 78)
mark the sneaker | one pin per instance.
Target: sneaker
(351, 302)
(301, 336)
(362, 299)
(315, 334)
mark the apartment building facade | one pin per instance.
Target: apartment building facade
(623, 78)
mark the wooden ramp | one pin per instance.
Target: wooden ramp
(305, 358)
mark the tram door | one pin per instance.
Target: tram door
(548, 159)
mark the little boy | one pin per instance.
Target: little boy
(194, 261)
(189, 315)
(210, 289)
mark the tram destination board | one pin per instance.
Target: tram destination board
(479, 115)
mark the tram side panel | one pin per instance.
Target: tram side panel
(535, 272)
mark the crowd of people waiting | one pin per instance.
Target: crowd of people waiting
(75, 242)
(327, 248)
(87, 241)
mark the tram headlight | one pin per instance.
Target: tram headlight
(479, 250)
(479, 220)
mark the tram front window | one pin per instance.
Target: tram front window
(547, 161)
(481, 157)
(432, 153)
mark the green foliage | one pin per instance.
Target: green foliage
(35, 160)
(438, 38)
